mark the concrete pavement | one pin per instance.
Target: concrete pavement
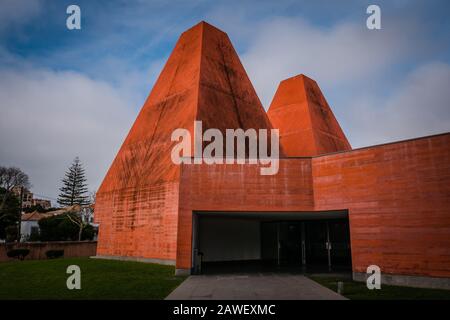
(257, 286)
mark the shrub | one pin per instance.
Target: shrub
(61, 228)
(58, 228)
(11, 233)
(18, 253)
(88, 233)
(9, 216)
(53, 254)
(34, 236)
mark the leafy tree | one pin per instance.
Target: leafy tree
(88, 233)
(9, 214)
(11, 178)
(61, 228)
(57, 228)
(34, 235)
(74, 189)
(11, 233)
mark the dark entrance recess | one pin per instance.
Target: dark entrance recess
(314, 245)
(320, 242)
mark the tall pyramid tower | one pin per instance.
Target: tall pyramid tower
(137, 203)
(305, 120)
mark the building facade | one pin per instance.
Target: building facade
(329, 207)
(28, 199)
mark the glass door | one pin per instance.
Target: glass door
(340, 242)
(316, 244)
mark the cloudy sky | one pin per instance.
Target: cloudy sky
(76, 93)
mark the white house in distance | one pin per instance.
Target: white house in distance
(30, 222)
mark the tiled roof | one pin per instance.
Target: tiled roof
(36, 216)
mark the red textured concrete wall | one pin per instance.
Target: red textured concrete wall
(139, 222)
(398, 197)
(239, 188)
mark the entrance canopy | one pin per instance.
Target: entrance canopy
(277, 215)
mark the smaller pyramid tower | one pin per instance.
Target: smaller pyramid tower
(306, 123)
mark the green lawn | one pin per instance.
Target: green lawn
(358, 291)
(100, 279)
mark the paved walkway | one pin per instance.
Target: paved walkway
(258, 286)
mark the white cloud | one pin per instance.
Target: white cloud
(17, 12)
(420, 106)
(48, 118)
(347, 52)
(355, 65)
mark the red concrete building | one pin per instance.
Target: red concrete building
(329, 206)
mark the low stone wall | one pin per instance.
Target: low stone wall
(38, 249)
